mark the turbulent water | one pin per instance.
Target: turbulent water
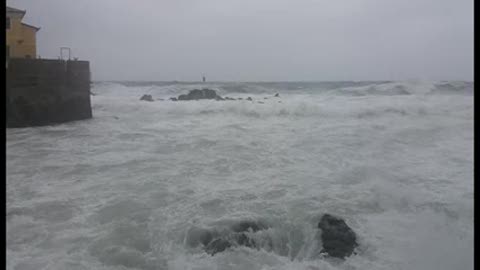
(126, 189)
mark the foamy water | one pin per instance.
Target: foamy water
(125, 189)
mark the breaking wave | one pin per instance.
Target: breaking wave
(165, 90)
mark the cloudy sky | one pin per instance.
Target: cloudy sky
(259, 40)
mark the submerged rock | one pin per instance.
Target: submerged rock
(249, 98)
(217, 245)
(239, 234)
(242, 239)
(197, 236)
(338, 239)
(147, 98)
(277, 95)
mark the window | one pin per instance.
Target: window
(8, 23)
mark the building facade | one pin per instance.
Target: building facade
(21, 37)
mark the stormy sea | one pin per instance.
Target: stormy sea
(146, 185)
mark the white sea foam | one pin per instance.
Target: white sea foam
(124, 189)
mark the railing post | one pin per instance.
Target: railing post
(69, 52)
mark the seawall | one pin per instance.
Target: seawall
(45, 91)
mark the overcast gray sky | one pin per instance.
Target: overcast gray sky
(259, 40)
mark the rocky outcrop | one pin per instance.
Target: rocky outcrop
(197, 94)
(277, 95)
(338, 239)
(147, 98)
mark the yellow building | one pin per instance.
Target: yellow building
(21, 37)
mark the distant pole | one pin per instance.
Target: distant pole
(203, 78)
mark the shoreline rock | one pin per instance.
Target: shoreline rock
(147, 98)
(338, 239)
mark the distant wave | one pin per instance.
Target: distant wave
(169, 89)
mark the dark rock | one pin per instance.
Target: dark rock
(160, 99)
(219, 98)
(197, 94)
(338, 239)
(229, 98)
(265, 98)
(243, 240)
(249, 98)
(147, 98)
(240, 98)
(209, 93)
(183, 97)
(277, 95)
(173, 99)
(217, 245)
(261, 102)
